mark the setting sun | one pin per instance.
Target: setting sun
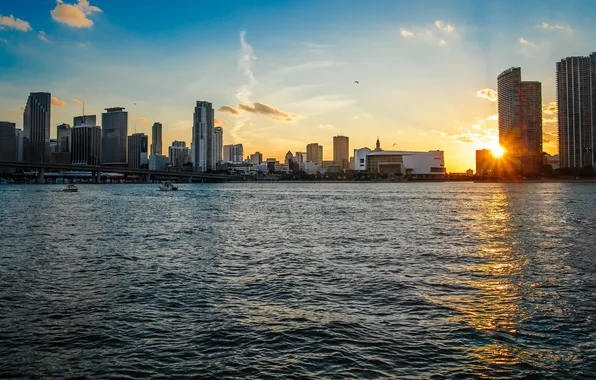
(497, 151)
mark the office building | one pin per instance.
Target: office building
(156, 142)
(300, 159)
(520, 121)
(314, 153)
(485, 163)
(218, 143)
(256, 158)
(158, 162)
(179, 154)
(36, 126)
(86, 145)
(202, 137)
(341, 151)
(20, 136)
(64, 138)
(114, 137)
(137, 150)
(8, 141)
(233, 153)
(90, 120)
(576, 99)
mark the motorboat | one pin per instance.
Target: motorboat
(70, 189)
(167, 186)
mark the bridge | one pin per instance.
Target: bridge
(97, 169)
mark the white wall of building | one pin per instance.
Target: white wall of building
(420, 163)
(360, 158)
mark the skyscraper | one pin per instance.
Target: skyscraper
(86, 145)
(520, 121)
(314, 153)
(178, 154)
(90, 120)
(8, 141)
(36, 126)
(202, 137)
(137, 150)
(576, 99)
(156, 142)
(114, 136)
(64, 138)
(341, 151)
(218, 143)
(233, 153)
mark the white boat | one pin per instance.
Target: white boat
(70, 189)
(167, 186)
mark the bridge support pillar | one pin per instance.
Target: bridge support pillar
(148, 178)
(41, 176)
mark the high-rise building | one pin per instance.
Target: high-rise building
(256, 158)
(8, 141)
(485, 162)
(576, 99)
(341, 151)
(156, 142)
(20, 135)
(289, 158)
(202, 137)
(314, 153)
(179, 154)
(300, 158)
(36, 126)
(233, 153)
(218, 143)
(86, 145)
(114, 138)
(520, 121)
(137, 150)
(64, 138)
(90, 120)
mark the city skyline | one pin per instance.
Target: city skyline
(282, 90)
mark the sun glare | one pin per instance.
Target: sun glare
(498, 151)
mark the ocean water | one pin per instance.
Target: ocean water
(299, 280)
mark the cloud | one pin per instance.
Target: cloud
(550, 108)
(267, 110)
(440, 133)
(546, 120)
(306, 66)
(326, 126)
(493, 117)
(313, 46)
(488, 94)
(442, 43)
(246, 58)
(43, 36)
(364, 115)
(228, 109)
(77, 101)
(219, 122)
(74, 15)
(478, 133)
(145, 121)
(10, 22)
(545, 25)
(4, 41)
(447, 28)
(526, 42)
(84, 45)
(58, 102)
(405, 33)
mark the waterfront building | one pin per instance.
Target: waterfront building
(256, 158)
(314, 153)
(300, 159)
(20, 136)
(271, 162)
(341, 151)
(86, 145)
(137, 150)
(218, 143)
(8, 141)
(36, 126)
(158, 162)
(90, 120)
(64, 138)
(486, 163)
(310, 167)
(156, 141)
(114, 139)
(233, 153)
(179, 154)
(520, 121)
(203, 137)
(289, 158)
(576, 100)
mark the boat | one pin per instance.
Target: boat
(167, 186)
(70, 189)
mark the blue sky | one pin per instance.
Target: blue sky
(420, 65)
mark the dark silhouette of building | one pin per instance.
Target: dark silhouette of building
(36, 127)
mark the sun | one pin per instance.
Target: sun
(497, 151)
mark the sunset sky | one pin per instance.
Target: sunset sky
(285, 70)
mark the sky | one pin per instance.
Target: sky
(281, 74)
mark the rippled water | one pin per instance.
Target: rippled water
(299, 280)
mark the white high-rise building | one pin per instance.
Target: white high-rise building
(233, 153)
(202, 137)
(218, 144)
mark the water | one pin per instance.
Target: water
(299, 280)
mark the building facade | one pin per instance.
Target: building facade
(64, 138)
(90, 120)
(520, 121)
(20, 135)
(233, 153)
(36, 126)
(179, 154)
(341, 151)
(203, 137)
(314, 153)
(137, 150)
(576, 100)
(114, 138)
(86, 145)
(156, 141)
(218, 143)
(485, 162)
(8, 141)
(256, 158)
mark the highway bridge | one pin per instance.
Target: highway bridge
(147, 174)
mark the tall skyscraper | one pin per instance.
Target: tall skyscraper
(114, 136)
(314, 153)
(90, 120)
(36, 125)
(341, 151)
(202, 137)
(156, 142)
(218, 143)
(8, 141)
(64, 138)
(137, 150)
(20, 135)
(576, 99)
(86, 145)
(233, 153)
(520, 121)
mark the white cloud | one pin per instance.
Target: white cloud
(43, 36)
(446, 28)
(440, 133)
(313, 46)
(494, 117)
(442, 43)
(526, 42)
(488, 94)
(306, 66)
(244, 92)
(406, 33)
(555, 26)
(10, 22)
(74, 15)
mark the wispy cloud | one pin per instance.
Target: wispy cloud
(2, 40)
(307, 66)
(58, 102)
(84, 45)
(313, 45)
(219, 122)
(245, 61)
(545, 25)
(488, 94)
(11, 22)
(228, 109)
(267, 110)
(440, 133)
(77, 101)
(328, 127)
(493, 117)
(526, 42)
(145, 121)
(43, 36)
(478, 133)
(74, 15)
(364, 115)
(442, 42)
(439, 24)
(550, 108)
(405, 33)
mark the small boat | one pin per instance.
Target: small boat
(70, 189)
(167, 186)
